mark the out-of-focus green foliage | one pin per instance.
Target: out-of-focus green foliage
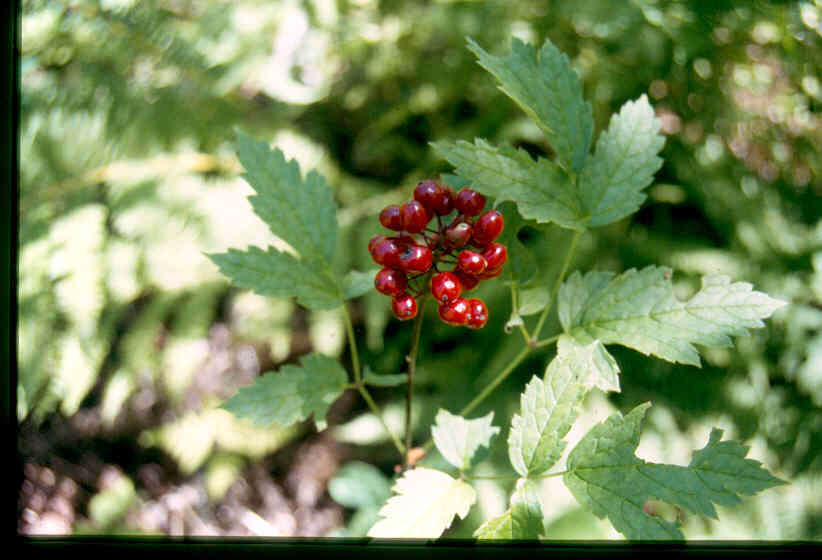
(128, 179)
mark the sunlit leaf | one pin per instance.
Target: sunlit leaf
(458, 439)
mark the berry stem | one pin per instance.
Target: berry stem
(515, 309)
(412, 366)
(568, 256)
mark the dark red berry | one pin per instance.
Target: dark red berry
(431, 195)
(386, 253)
(391, 282)
(459, 234)
(490, 274)
(495, 256)
(374, 240)
(445, 287)
(390, 217)
(404, 307)
(467, 281)
(471, 262)
(414, 216)
(477, 314)
(454, 312)
(487, 228)
(416, 258)
(469, 202)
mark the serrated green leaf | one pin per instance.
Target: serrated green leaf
(638, 309)
(521, 521)
(623, 164)
(424, 506)
(458, 439)
(278, 274)
(607, 478)
(358, 283)
(300, 212)
(291, 394)
(390, 380)
(602, 368)
(543, 84)
(541, 189)
(521, 265)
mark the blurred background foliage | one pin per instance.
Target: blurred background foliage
(128, 339)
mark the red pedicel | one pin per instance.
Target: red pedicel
(469, 202)
(404, 307)
(454, 312)
(477, 314)
(445, 287)
(390, 217)
(391, 282)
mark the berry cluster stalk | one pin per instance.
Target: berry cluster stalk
(412, 366)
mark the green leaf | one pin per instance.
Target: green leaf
(359, 485)
(606, 477)
(291, 394)
(522, 520)
(542, 190)
(549, 91)
(278, 274)
(458, 439)
(300, 212)
(390, 380)
(358, 283)
(521, 265)
(602, 368)
(638, 309)
(623, 164)
(424, 506)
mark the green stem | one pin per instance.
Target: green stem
(547, 341)
(376, 410)
(568, 256)
(412, 366)
(515, 309)
(352, 343)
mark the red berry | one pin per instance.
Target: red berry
(487, 228)
(386, 253)
(432, 240)
(467, 282)
(391, 282)
(404, 307)
(495, 255)
(416, 258)
(414, 216)
(374, 240)
(471, 262)
(445, 287)
(454, 312)
(435, 199)
(390, 217)
(459, 234)
(490, 274)
(477, 314)
(469, 202)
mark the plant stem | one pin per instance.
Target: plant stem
(547, 341)
(515, 309)
(568, 256)
(376, 410)
(352, 343)
(412, 366)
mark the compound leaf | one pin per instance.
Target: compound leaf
(543, 84)
(291, 394)
(623, 164)
(607, 478)
(638, 309)
(458, 439)
(424, 506)
(521, 521)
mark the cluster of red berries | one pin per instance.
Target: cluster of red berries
(420, 252)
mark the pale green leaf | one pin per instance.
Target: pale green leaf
(602, 368)
(359, 485)
(638, 309)
(291, 394)
(278, 274)
(424, 506)
(541, 189)
(543, 84)
(389, 380)
(623, 164)
(300, 212)
(357, 283)
(458, 439)
(521, 521)
(606, 477)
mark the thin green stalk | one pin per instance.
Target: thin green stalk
(514, 309)
(376, 410)
(547, 341)
(412, 366)
(352, 343)
(568, 256)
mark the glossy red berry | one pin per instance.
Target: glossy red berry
(477, 314)
(445, 287)
(435, 199)
(404, 307)
(467, 281)
(487, 228)
(416, 259)
(390, 217)
(374, 240)
(386, 253)
(391, 282)
(469, 202)
(471, 262)
(495, 256)
(459, 234)
(414, 216)
(490, 274)
(454, 312)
